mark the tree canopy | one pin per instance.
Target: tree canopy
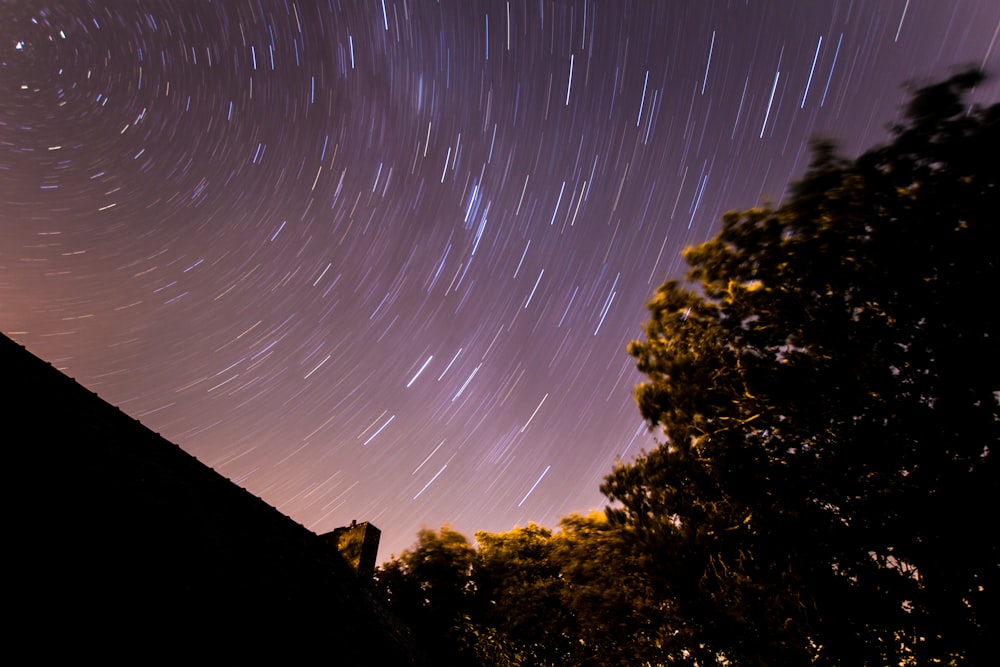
(529, 596)
(827, 391)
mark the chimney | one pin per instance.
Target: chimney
(358, 545)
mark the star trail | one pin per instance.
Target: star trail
(381, 260)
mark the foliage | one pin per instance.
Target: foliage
(618, 618)
(531, 597)
(430, 589)
(828, 396)
(520, 589)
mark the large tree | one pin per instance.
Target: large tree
(827, 388)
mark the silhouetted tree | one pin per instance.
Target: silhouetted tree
(827, 390)
(529, 596)
(430, 588)
(617, 616)
(520, 592)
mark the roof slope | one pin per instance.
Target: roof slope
(116, 531)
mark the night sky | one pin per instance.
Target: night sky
(381, 260)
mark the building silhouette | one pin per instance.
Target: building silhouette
(119, 541)
(358, 545)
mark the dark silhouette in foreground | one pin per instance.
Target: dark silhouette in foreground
(826, 387)
(117, 539)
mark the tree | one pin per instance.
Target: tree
(468, 606)
(430, 588)
(617, 618)
(827, 391)
(529, 596)
(520, 591)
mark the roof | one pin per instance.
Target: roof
(117, 531)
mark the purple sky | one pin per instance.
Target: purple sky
(381, 260)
